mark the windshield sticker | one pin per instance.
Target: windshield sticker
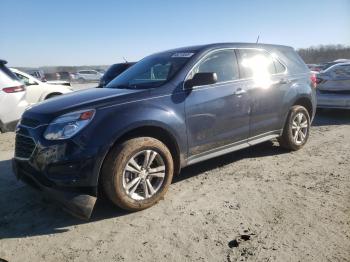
(182, 55)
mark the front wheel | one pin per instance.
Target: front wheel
(296, 130)
(137, 173)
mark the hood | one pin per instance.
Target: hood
(90, 98)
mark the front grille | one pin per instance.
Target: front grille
(29, 122)
(24, 146)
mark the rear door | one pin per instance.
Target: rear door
(267, 83)
(217, 115)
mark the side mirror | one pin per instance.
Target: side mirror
(201, 79)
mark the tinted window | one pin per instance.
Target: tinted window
(223, 63)
(255, 62)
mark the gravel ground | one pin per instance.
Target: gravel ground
(257, 204)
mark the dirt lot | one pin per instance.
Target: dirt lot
(258, 204)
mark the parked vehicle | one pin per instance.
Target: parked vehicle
(333, 89)
(88, 76)
(37, 73)
(66, 76)
(112, 72)
(12, 99)
(38, 91)
(52, 76)
(170, 110)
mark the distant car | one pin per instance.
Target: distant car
(38, 91)
(333, 87)
(315, 68)
(64, 76)
(112, 72)
(52, 76)
(12, 99)
(88, 76)
(102, 71)
(37, 73)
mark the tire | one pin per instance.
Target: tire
(116, 179)
(290, 139)
(81, 80)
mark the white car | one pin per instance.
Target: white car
(12, 99)
(38, 91)
(88, 76)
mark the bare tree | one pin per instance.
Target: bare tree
(324, 53)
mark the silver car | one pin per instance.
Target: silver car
(88, 76)
(333, 87)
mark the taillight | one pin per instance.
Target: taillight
(14, 89)
(313, 79)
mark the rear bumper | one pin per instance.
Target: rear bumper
(341, 101)
(77, 203)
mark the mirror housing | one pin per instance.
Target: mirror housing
(201, 79)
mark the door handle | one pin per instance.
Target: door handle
(239, 92)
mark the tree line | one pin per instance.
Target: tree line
(324, 53)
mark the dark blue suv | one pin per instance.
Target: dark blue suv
(170, 110)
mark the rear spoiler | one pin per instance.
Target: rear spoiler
(3, 62)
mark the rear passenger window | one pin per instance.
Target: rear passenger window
(255, 63)
(223, 63)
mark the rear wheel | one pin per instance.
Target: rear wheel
(137, 173)
(296, 130)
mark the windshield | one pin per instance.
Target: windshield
(152, 71)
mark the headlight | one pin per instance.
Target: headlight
(66, 126)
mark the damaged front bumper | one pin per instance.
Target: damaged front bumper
(76, 203)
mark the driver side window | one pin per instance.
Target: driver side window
(223, 63)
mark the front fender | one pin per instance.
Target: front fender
(113, 122)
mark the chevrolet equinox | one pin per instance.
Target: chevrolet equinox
(170, 110)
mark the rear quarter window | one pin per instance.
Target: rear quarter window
(293, 61)
(255, 62)
(280, 68)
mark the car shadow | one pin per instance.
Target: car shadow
(268, 148)
(326, 117)
(25, 212)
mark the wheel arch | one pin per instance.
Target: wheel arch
(155, 131)
(305, 102)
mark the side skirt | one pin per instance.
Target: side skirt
(233, 147)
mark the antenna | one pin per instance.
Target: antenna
(125, 59)
(257, 39)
